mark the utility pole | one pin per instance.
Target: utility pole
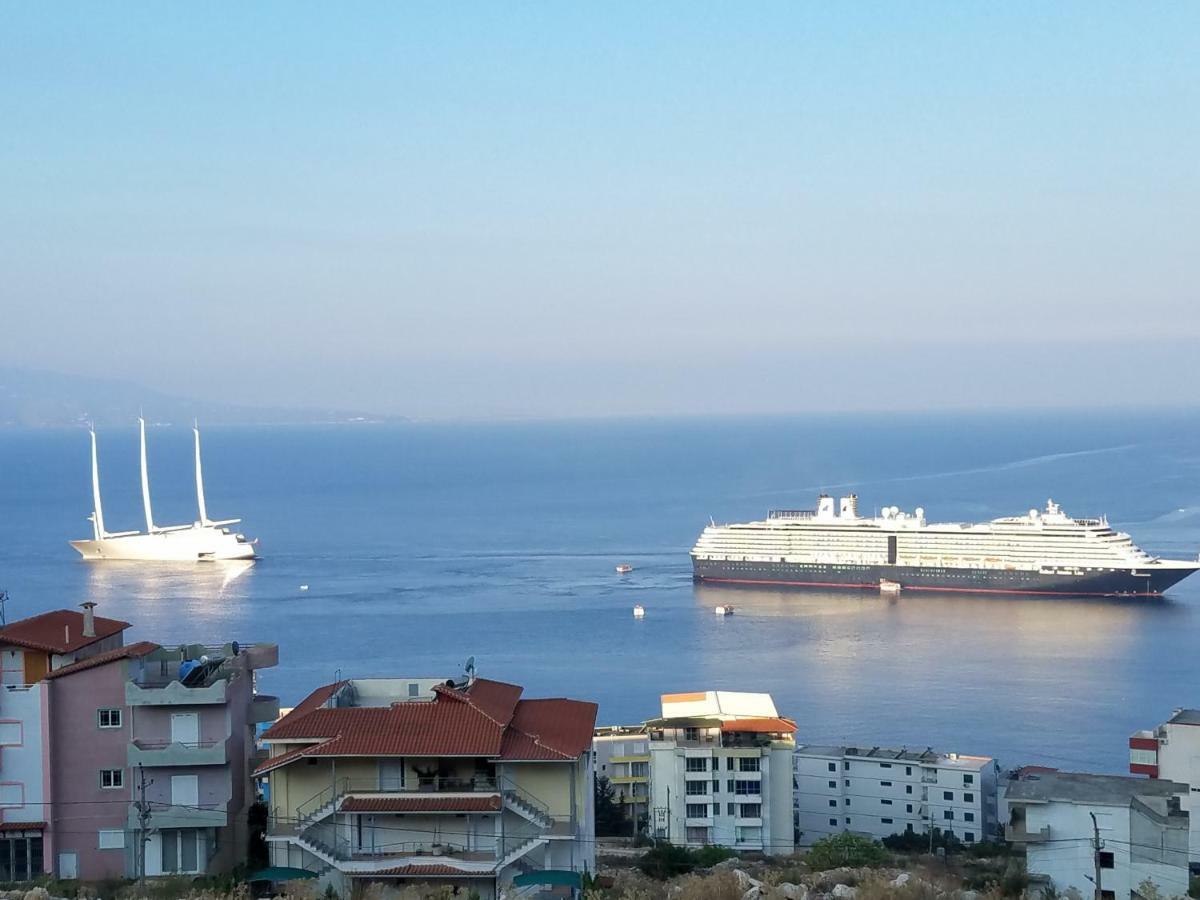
(143, 811)
(1096, 845)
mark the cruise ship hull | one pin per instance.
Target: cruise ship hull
(196, 544)
(1147, 581)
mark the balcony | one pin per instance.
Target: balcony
(1019, 833)
(172, 693)
(264, 708)
(168, 753)
(165, 815)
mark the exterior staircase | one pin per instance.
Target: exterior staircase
(526, 808)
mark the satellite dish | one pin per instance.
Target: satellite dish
(470, 666)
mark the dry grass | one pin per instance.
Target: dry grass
(720, 885)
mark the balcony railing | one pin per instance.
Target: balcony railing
(177, 753)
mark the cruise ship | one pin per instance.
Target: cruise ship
(1041, 552)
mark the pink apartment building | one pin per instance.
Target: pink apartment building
(120, 759)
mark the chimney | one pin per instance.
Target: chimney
(89, 619)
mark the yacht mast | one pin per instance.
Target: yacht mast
(97, 511)
(145, 480)
(199, 478)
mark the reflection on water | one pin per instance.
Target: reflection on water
(987, 674)
(166, 593)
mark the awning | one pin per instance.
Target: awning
(555, 877)
(280, 873)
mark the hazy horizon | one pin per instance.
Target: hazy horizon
(528, 211)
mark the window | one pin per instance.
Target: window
(639, 769)
(728, 764)
(847, 782)
(414, 690)
(833, 767)
(730, 809)
(908, 789)
(833, 803)
(697, 788)
(947, 795)
(846, 766)
(691, 734)
(697, 834)
(885, 784)
(948, 814)
(908, 807)
(179, 851)
(108, 718)
(1106, 859)
(697, 810)
(833, 822)
(748, 764)
(886, 821)
(968, 798)
(969, 837)
(969, 817)
(747, 787)
(110, 779)
(1108, 895)
(20, 856)
(729, 786)
(833, 784)
(968, 779)
(750, 811)
(886, 802)
(716, 787)
(846, 801)
(111, 839)
(908, 770)
(697, 764)
(885, 765)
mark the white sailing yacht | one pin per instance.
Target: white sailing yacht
(203, 540)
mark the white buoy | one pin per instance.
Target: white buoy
(639, 611)
(723, 610)
(304, 587)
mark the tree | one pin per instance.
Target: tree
(611, 820)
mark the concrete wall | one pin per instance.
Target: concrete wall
(22, 750)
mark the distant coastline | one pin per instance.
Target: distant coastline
(39, 399)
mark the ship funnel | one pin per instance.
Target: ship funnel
(825, 507)
(849, 507)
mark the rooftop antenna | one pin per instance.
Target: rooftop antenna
(3, 603)
(469, 670)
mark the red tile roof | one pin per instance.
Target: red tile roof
(22, 826)
(60, 631)
(435, 871)
(760, 726)
(422, 804)
(133, 651)
(487, 719)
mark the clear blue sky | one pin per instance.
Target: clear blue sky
(564, 209)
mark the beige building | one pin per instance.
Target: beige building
(623, 757)
(721, 772)
(432, 780)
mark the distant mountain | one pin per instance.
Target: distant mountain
(32, 398)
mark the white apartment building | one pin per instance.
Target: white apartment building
(1143, 832)
(879, 791)
(1172, 751)
(720, 772)
(622, 754)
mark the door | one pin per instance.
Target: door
(185, 790)
(185, 729)
(68, 865)
(391, 774)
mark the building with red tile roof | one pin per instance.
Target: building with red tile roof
(370, 778)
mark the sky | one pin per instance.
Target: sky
(468, 210)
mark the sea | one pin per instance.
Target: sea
(402, 550)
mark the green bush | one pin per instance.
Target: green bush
(708, 856)
(1194, 888)
(845, 849)
(663, 861)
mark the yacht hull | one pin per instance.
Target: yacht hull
(196, 544)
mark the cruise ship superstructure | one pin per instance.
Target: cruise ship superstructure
(1041, 552)
(202, 541)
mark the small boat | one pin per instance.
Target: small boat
(888, 587)
(723, 610)
(624, 569)
(639, 611)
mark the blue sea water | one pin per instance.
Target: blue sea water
(425, 544)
